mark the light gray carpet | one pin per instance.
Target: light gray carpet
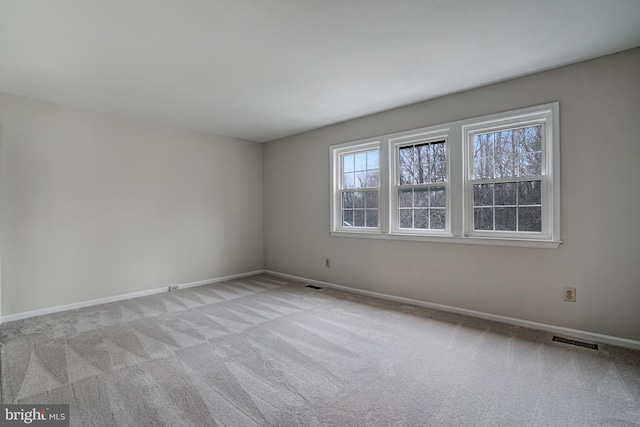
(264, 351)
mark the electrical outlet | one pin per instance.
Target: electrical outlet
(569, 294)
(327, 262)
(173, 288)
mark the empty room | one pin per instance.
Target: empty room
(320, 213)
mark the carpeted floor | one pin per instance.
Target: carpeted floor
(264, 351)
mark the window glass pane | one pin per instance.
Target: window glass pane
(506, 166)
(483, 145)
(530, 219)
(531, 164)
(483, 153)
(505, 144)
(439, 172)
(347, 200)
(358, 218)
(421, 156)
(349, 180)
(405, 155)
(438, 197)
(373, 178)
(361, 161)
(421, 197)
(506, 193)
(438, 152)
(358, 199)
(372, 160)
(404, 198)
(347, 163)
(506, 219)
(483, 167)
(371, 199)
(438, 219)
(347, 218)
(483, 195)
(421, 218)
(529, 139)
(529, 193)
(371, 217)
(483, 218)
(406, 218)
(361, 179)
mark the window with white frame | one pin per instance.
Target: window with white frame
(357, 179)
(487, 180)
(421, 180)
(507, 180)
(509, 176)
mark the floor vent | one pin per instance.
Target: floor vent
(313, 287)
(576, 342)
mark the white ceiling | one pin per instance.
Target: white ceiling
(263, 69)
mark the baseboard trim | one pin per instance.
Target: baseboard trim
(575, 333)
(218, 279)
(98, 301)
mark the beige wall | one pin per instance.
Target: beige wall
(600, 256)
(95, 206)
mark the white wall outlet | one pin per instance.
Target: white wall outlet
(327, 262)
(569, 294)
(173, 288)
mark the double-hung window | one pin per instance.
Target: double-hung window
(487, 180)
(420, 184)
(511, 189)
(356, 178)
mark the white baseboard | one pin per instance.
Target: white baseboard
(59, 308)
(575, 333)
(218, 279)
(76, 305)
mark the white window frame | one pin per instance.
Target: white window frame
(337, 152)
(459, 197)
(426, 135)
(545, 116)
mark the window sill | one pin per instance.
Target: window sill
(487, 241)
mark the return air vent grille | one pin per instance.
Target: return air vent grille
(576, 342)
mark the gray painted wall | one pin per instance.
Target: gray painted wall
(600, 256)
(95, 206)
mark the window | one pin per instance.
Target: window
(509, 176)
(421, 181)
(487, 180)
(357, 175)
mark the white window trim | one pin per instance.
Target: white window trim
(459, 211)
